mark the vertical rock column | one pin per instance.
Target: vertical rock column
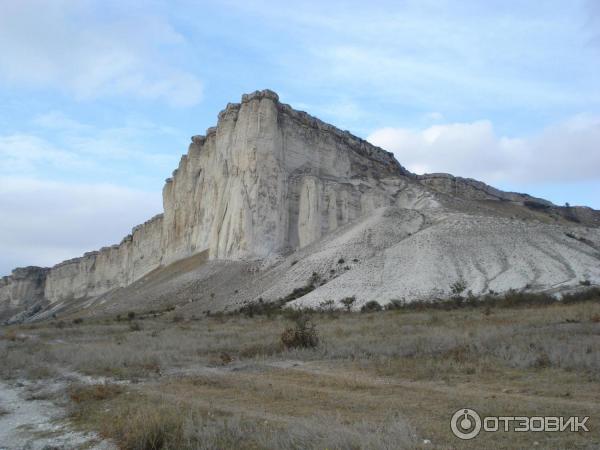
(229, 194)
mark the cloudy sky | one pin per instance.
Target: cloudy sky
(98, 99)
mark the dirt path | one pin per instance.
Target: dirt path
(27, 422)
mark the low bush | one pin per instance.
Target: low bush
(348, 302)
(509, 299)
(458, 287)
(582, 296)
(297, 293)
(371, 306)
(315, 279)
(395, 304)
(303, 335)
(327, 306)
(260, 307)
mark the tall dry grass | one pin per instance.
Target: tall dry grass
(561, 336)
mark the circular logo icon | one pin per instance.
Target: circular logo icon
(465, 423)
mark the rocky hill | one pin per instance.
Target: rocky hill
(273, 199)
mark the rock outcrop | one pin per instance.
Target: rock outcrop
(471, 189)
(22, 290)
(24, 285)
(269, 179)
(266, 181)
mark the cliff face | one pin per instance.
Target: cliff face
(108, 268)
(269, 180)
(22, 289)
(266, 180)
(26, 284)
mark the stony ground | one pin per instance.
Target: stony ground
(389, 379)
(31, 418)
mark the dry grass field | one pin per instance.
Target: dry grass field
(377, 380)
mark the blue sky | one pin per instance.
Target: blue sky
(98, 99)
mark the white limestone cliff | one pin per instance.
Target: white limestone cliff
(266, 180)
(269, 180)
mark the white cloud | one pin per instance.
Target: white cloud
(25, 153)
(438, 55)
(56, 120)
(80, 150)
(74, 46)
(566, 152)
(45, 222)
